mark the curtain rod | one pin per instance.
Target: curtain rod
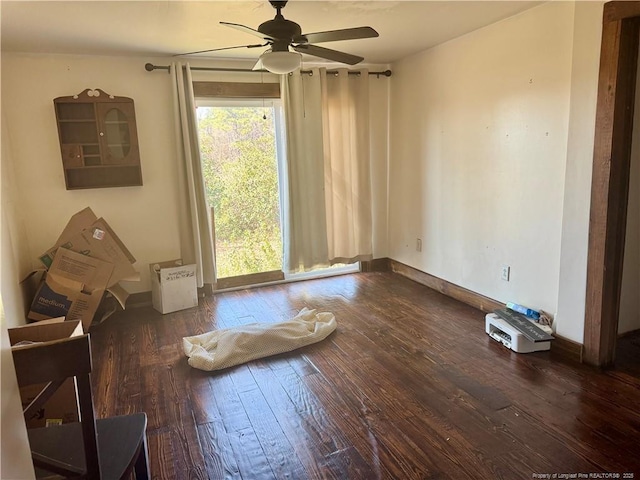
(150, 67)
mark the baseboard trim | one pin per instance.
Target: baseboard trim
(376, 265)
(561, 346)
(567, 349)
(138, 300)
(485, 304)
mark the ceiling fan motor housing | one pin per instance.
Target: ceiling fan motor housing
(280, 29)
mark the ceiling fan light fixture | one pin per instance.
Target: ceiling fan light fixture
(281, 62)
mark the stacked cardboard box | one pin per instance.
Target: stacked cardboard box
(87, 260)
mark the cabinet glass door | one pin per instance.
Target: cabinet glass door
(117, 140)
(116, 131)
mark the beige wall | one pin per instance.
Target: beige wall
(16, 262)
(491, 158)
(478, 149)
(15, 458)
(629, 318)
(144, 217)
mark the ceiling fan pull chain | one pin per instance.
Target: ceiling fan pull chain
(264, 109)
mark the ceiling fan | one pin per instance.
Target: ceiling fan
(283, 36)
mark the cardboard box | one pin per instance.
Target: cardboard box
(113, 300)
(66, 288)
(73, 287)
(78, 222)
(94, 237)
(62, 407)
(173, 286)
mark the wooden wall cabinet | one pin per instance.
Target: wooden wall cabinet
(98, 140)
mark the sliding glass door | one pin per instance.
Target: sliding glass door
(240, 146)
(243, 159)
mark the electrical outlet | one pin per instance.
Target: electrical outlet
(418, 244)
(506, 272)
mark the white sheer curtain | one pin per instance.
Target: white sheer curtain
(196, 242)
(328, 201)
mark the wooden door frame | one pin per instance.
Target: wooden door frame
(610, 181)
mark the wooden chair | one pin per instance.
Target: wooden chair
(109, 448)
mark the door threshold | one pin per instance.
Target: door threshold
(286, 278)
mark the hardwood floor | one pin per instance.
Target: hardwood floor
(408, 387)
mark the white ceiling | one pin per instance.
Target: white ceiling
(163, 28)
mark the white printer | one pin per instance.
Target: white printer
(511, 337)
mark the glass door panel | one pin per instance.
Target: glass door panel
(240, 170)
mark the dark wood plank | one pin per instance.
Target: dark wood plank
(218, 454)
(105, 372)
(244, 442)
(160, 449)
(128, 385)
(273, 441)
(409, 386)
(303, 429)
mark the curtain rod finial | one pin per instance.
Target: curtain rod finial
(149, 67)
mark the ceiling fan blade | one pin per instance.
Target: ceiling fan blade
(335, 35)
(329, 54)
(223, 48)
(248, 30)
